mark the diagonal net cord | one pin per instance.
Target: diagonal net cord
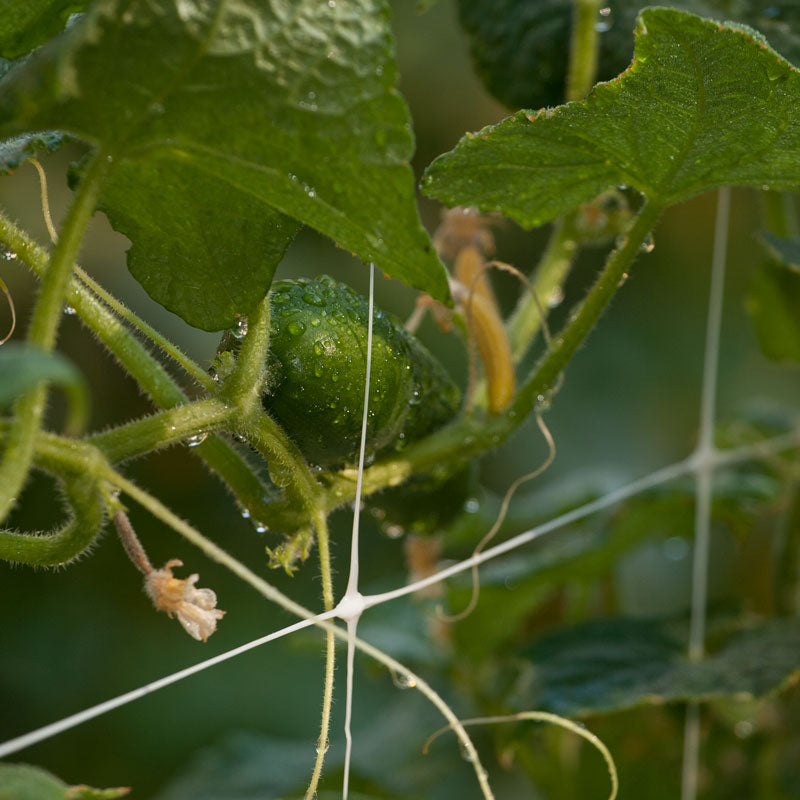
(351, 605)
(704, 458)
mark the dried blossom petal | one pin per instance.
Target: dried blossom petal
(195, 608)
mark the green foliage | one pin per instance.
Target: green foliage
(774, 305)
(701, 106)
(216, 130)
(25, 24)
(22, 367)
(314, 129)
(614, 664)
(23, 782)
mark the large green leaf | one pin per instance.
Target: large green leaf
(294, 107)
(25, 24)
(774, 305)
(611, 665)
(521, 49)
(702, 105)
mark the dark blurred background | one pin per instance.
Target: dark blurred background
(73, 637)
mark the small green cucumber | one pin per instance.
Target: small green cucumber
(317, 367)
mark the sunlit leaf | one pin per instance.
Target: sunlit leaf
(296, 113)
(702, 105)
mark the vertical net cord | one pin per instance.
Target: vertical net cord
(352, 595)
(704, 466)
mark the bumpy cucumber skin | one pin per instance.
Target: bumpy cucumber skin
(317, 366)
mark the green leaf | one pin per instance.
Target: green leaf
(773, 302)
(15, 151)
(22, 367)
(297, 114)
(784, 249)
(521, 49)
(205, 263)
(702, 105)
(24, 782)
(611, 665)
(25, 24)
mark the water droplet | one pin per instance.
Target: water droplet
(156, 109)
(403, 681)
(622, 279)
(295, 327)
(197, 439)
(331, 3)
(393, 531)
(313, 299)
(69, 310)
(322, 747)
(676, 548)
(604, 23)
(259, 526)
(465, 753)
(239, 330)
(315, 322)
(648, 245)
(245, 513)
(472, 505)
(556, 297)
(281, 297)
(319, 369)
(335, 375)
(8, 255)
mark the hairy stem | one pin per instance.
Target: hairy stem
(583, 49)
(323, 543)
(140, 364)
(30, 407)
(162, 429)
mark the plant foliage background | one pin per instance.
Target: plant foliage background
(591, 621)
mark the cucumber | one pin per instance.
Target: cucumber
(317, 366)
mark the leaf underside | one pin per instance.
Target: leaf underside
(702, 105)
(292, 114)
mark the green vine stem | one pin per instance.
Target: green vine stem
(323, 544)
(140, 364)
(551, 272)
(55, 548)
(583, 49)
(30, 407)
(165, 428)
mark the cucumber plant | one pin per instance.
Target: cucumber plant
(316, 134)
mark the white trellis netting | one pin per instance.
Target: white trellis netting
(701, 463)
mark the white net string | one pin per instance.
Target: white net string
(703, 461)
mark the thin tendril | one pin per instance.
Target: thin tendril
(551, 454)
(7, 293)
(554, 719)
(48, 220)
